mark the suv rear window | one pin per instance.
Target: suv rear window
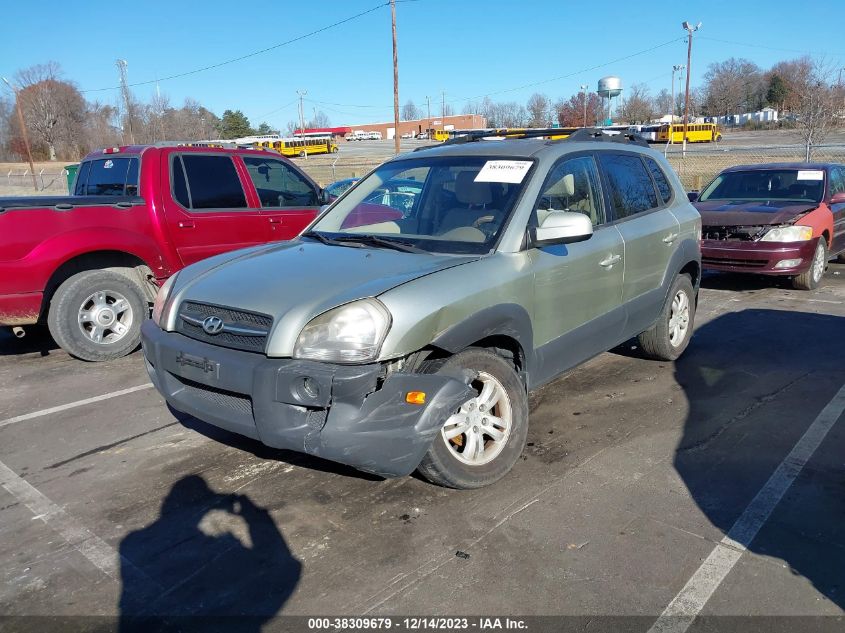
(631, 188)
(213, 182)
(116, 176)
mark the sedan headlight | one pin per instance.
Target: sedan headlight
(788, 234)
(161, 300)
(352, 333)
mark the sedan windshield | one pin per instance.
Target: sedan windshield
(454, 204)
(792, 185)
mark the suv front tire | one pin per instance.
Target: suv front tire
(483, 439)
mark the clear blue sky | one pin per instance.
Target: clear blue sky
(467, 48)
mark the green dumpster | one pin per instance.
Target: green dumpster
(71, 176)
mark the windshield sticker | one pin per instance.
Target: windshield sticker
(108, 164)
(810, 174)
(512, 171)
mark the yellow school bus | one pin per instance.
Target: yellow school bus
(438, 135)
(696, 133)
(301, 146)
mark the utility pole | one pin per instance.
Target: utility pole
(23, 132)
(584, 90)
(301, 94)
(443, 106)
(124, 89)
(690, 29)
(428, 105)
(395, 79)
(675, 68)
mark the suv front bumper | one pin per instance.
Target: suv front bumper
(352, 414)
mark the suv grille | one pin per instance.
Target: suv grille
(240, 330)
(235, 402)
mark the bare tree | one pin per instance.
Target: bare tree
(539, 107)
(638, 107)
(734, 86)
(817, 107)
(410, 112)
(53, 109)
(663, 102)
(320, 119)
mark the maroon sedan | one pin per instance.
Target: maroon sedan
(783, 219)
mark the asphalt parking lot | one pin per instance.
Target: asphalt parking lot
(710, 486)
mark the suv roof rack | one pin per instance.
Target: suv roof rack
(553, 133)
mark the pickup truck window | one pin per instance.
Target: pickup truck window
(116, 176)
(213, 183)
(278, 184)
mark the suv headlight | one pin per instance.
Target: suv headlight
(788, 234)
(161, 299)
(352, 333)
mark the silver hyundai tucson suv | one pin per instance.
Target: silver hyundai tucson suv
(405, 327)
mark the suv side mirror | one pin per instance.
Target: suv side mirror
(562, 227)
(838, 198)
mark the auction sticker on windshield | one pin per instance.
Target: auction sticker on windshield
(810, 174)
(512, 171)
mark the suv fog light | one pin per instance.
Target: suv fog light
(788, 263)
(309, 389)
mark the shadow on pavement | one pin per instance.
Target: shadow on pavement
(747, 409)
(210, 561)
(36, 341)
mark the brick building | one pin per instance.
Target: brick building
(452, 122)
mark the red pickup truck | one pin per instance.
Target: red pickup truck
(90, 263)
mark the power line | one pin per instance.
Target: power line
(770, 48)
(248, 55)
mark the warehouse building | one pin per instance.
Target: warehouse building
(415, 127)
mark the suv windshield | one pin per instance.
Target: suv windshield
(794, 185)
(453, 204)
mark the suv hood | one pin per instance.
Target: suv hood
(296, 281)
(745, 213)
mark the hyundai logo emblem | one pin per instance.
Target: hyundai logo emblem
(212, 325)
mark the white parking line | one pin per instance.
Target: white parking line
(73, 405)
(101, 554)
(682, 610)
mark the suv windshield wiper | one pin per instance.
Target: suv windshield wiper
(383, 242)
(328, 240)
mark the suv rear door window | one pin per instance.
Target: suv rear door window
(630, 187)
(116, 176)
(278, 184)
(213, 182)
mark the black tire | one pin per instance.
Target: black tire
(811, 278)
(440, 466)
(656, 341)
(303, 154)
(69, 299)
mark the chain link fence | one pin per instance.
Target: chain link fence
(698, 165)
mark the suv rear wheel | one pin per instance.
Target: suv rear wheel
(481, 441)
(669, 336)
(96, 315)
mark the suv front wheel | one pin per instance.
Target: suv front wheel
(481, 441)
(669, 336)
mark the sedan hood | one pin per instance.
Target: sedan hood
(296, 281)
(754, 213)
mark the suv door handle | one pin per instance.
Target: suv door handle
(187, 224)
(609, 261)
(670, 238)
(275, 220)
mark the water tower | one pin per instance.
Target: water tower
(609, 87)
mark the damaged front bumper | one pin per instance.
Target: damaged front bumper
(352, 414)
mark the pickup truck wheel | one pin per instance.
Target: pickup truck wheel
(812, 277)
(669, 336)
(96, 315)
(481, 441)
